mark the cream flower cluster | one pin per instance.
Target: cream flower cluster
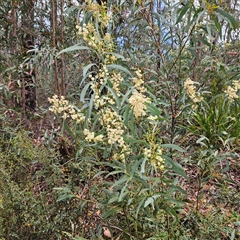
(137, 101)
(191, 91)
(154, 155)
(101, 101)
(110, 59)
(138, 81)
(232, 91)
(98, 100)
(97, 81)
(90, 136)
(122, 154)
(99, 11)
(59, 104)
(236, 84)
(116, 80)
(91, 36)
(62, 107)
(114, 126)
(104, 76)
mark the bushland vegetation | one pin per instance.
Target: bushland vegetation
(119, 120)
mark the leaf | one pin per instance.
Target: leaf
(65, 125)
(113, 199)
(115, 54)
(173, 146)
(114, 173)
(107, 232)
(153, 109)
(233, 235)
(63, 189)
(218, 26)
(65, 197)
(143, 165)
(89, 111)
(114, 95)
(201, 139)
(139, 206)
(99, 174)
(230, 18)
(182, 13)
(83, 93)
(126, 96)
(150, 200)
(123, 192)
(85, 70)
(172, 200)
(176, 167)
(120, 181)
(65, 194)
(73, 48)
(119, 67)
(126, 115)
(134, 141)
(134, 168)
(74, 238)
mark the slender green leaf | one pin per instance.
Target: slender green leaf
(134, 141)
(120, 181)
(140, 205)
(173, 146)
(65, 197)
(73, 48)
(115, 54)
(113, 199)
(65, 125)
(85, 70)
(183, 11)
(218, 26)
(83, 93)
(176, 167)
(119, 67)
(150, 200)
(230, 18)
(123, 192)
(114, 95)
(89, 111)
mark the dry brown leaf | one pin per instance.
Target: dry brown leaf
(106, 232)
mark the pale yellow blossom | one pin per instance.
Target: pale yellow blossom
(154, 155)
(231, 93)
(138, 102)
(114, 127)
(89, 135)
(138, 82)
(191, 91)
(98, 138)
(107, 37)
(236, 84)
(66, 110)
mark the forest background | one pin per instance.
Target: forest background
(119, 119)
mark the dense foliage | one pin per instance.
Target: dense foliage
(120, 120)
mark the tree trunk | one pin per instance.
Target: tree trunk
(57, 89)
(28, 72)
(63, 67)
